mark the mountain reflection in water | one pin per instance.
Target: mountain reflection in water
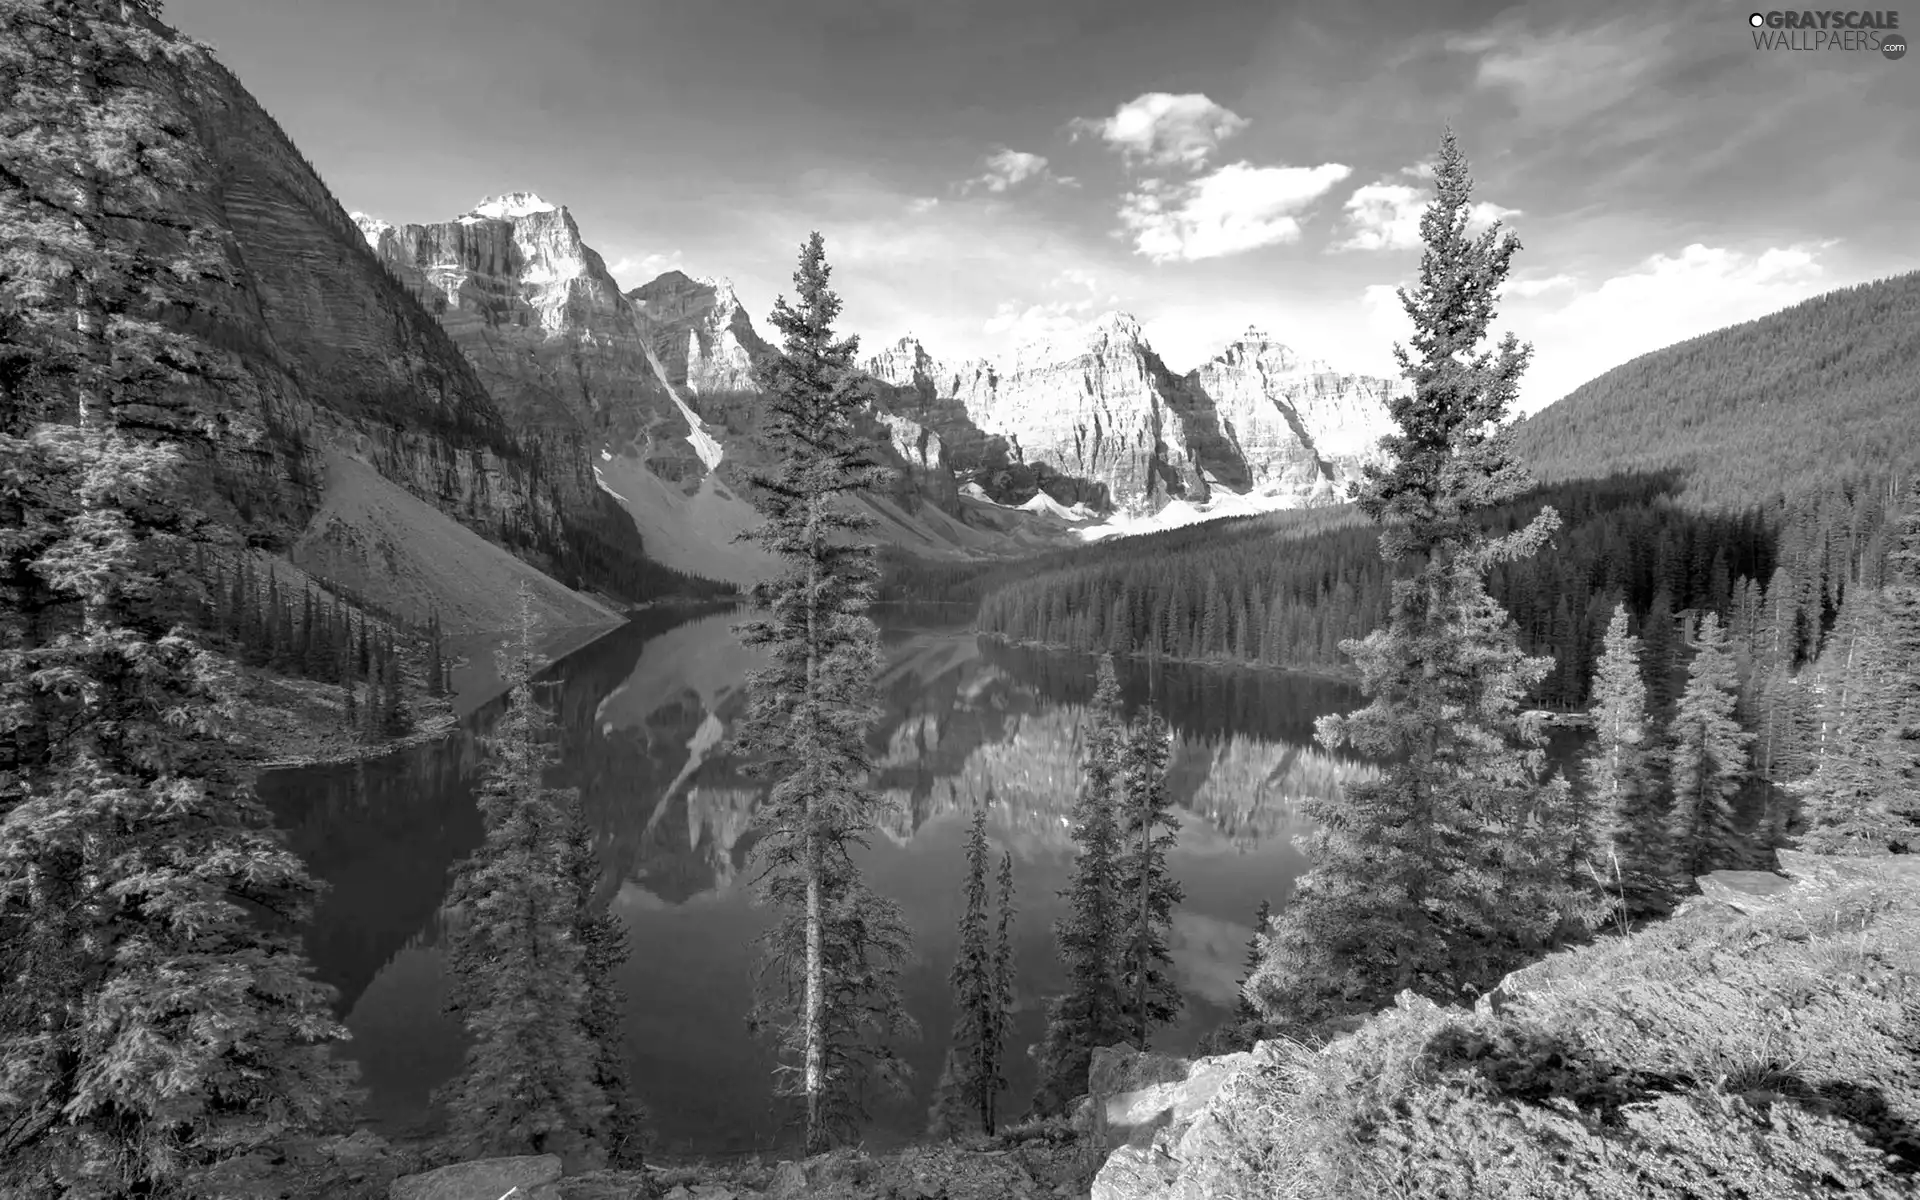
(643, 717)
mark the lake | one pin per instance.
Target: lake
(643, 715)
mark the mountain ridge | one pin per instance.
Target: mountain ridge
(974, 441)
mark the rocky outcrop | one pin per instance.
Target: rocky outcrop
(1104, 412)
(1232, 1126)
(524, 1177)
(535, 311)
(1302, 428)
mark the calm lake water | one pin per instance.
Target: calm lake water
(643, 714)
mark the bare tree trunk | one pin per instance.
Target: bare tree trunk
(815, 1013)
(1140, 932)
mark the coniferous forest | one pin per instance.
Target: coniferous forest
(1716, 580)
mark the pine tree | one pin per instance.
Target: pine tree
(1145, 890)
(1709, 760)
(1000, 1027)
(518, 972)
(436, 665)
(829, 987)
(1088, 1014)
(396, 719)
(1660, 652)
(1863, 795)
(1447, 870)
(602, 938)
(1900, 629)
(144, 897)
(1630, 826)
(972, 1077)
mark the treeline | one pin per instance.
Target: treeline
(313, 634)
(1289, 598)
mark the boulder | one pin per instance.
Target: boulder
(1747, 891)
(522, 1177)
(1136, 1173)
(789, 1182)
(1135, 1096)
(1828, 871)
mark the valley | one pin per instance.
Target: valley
(485, 710)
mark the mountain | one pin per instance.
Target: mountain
(1785, 404)
(346, 397)
(655, 386)
(1097, 418)
(652, 389)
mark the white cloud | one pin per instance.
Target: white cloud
(1662, 300)
(1077, 277)
(1237, 208)
(1010, 168)
(1558, 76)
(1534, 287)
(1037, 321)
(1386, 216)
(1164, 130)
(632, 270)
(921, 204)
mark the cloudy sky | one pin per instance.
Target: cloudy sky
(988, 171)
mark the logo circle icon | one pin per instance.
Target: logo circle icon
(1757, 20)
(1894, 45)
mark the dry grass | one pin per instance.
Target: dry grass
(1768, 1056)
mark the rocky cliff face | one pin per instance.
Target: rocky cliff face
(1097, 417)
(335, 356)
(1302, 428)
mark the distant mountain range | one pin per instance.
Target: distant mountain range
(1086, 434)
(488, 370)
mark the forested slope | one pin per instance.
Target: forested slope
(1781, 405)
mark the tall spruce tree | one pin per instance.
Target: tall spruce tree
(144, 897)
(1620, 781)
(829, 988)
(602, 938)
(1000, 1030)
(1900, 630)
(1447, 870)
(1708, 752)
(1087, 1014)
(1845, 800)
(518, 970)
(1145, 891)
(973, 1077)
(1863, 795)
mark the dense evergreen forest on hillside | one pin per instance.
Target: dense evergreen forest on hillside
(1780, 405)
(1285, 593)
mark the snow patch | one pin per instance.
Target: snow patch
(513, 204)
(603, 483)
(605, 457)
(1041, 503)
(1177, 513)
(702, 442)
(371, 228)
